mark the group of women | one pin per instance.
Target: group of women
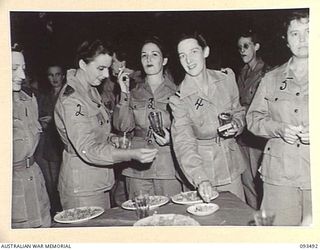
(193, 145)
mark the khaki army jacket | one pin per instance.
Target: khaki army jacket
(84, 126)
(201, 153)
(281, 100)
(132, 114)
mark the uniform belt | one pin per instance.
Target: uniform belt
(25, 163)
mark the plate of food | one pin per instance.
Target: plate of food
(154, 202)
(190, 197)
(78, 214)
(203, 209)
(167, 220)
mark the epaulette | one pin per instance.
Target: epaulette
(224, 71)
(177, 94)
(68, 91)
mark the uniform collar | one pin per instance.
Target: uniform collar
(189, 87)
(166, 83)
(76, 79)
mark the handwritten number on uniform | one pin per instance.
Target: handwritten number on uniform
(151, 103)
(79, 111)
(199, 103)
(284, 86)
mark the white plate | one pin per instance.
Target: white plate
(78, 214)
(167, 220)
(203, 209)
(155, 201)
(190, 197)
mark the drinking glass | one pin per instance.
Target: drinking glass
(142, 205)
(155, 118)
(264, 217)
(225, 120)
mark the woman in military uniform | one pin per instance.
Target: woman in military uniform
(279, 112)
(30, 201)
(208, 158)
(83, 122)
(152, 94)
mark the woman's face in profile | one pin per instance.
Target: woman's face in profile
(152, 59)
(18, 68)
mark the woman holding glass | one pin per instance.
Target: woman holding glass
(83, 123)
(208, 154)
(279, 112)
(132, 114)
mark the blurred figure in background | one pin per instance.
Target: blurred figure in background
(131, 114)
(249, 79)
(30, 202)
(51, 143)
(280, 113)
(83, 122)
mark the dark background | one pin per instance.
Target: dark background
(128, 29)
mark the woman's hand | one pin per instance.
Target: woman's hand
(162, 141)
(144, 155)
(290, 133)
(230, 132)
(205, 190)
(124, 81)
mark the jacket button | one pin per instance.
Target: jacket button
(298, 145)
(126, 99)
(268, 148)
(296, 110)
(297, 94)
(107, 121)
(276, 99)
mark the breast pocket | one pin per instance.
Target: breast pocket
(139, 111)
(100, 125)
(281, 106)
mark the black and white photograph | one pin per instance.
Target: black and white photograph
(152, 118)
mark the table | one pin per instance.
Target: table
(232, 212)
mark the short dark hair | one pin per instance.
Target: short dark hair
(157, 41)
(194, 35)
(16, 47)
(294, 15)
(255, 38)
(89, 50)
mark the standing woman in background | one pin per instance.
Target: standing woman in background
(159, 177)
(83, 122)
(209, 160)
(248, 81)
(279, 112)
(30, 202)
(52, 146)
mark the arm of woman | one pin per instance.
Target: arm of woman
(123, 119)
(71, 114)
(259, 119)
